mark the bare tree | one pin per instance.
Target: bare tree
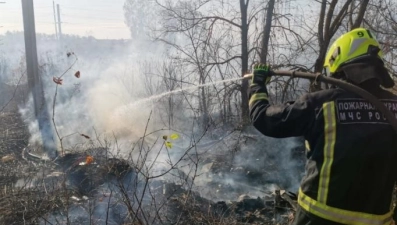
(380, 18)
(331, 17)
(138, 14)
(185, 17)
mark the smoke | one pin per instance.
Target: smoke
(250, 163)
(109, 79)
(277, 161)
(112, 81)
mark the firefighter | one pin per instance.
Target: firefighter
(351, 163)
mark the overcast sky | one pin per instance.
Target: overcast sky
(100, 18)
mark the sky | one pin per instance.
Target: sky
(102, 19)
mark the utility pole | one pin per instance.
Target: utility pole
(55, 20)
(34, 82)
(59, 22)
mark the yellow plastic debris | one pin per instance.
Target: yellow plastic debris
(174, 136)
(168, 144)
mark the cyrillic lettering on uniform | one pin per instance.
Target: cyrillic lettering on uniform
(350, 111)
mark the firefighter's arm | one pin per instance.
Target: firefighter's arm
(285, 120)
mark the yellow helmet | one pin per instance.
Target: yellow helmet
(358, 45)
(350, 46)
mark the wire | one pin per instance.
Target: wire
(11, 26)
(44, 22)
(99, 26)
(90, 17)
(43, 7)
(89, 10)
(90, 24)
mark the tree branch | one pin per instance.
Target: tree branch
(321, 23)
(359, 19)
(338, 20)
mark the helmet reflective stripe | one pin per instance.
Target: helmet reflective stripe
(355, 45)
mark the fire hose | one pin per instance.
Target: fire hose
(345, 86)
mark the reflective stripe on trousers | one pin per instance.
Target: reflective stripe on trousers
(340, 215)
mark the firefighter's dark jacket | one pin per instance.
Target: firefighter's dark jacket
(352, 151)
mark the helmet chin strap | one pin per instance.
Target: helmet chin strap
(373, 50)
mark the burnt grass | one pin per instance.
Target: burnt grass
(112, 190)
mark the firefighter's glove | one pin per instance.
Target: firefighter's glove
(261, 75)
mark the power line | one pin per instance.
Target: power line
(44, 22)
(69, 23)
(89, 23)
(18, 16)
(82, 17)
(42, 7)
(11, 25)
(98, 26)
(90, 17)
(90, 10)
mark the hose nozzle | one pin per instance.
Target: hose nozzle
(248, 76)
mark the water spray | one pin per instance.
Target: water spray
(126, 109)
(342, 84)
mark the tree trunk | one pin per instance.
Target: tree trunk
(203, 102)
(329, 23)
(266, 31)
(244, 61)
